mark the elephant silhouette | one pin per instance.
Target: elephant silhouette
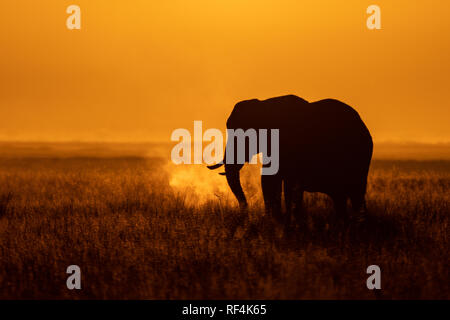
(324, 146)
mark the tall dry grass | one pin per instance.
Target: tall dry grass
(140, 229)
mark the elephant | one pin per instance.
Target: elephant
(324, 146)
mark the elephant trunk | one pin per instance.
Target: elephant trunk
(234, 181)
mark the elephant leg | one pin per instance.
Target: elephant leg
(357, 196)
(288, 190)
(340, 206)
(299, 212)
(358, 202)
(293, 196)
(359, 209)
(288, 196)
(271, 189)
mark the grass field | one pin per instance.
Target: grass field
(141, 228)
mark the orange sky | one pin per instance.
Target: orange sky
(139, 69)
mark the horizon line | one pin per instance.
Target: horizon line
(89, 141)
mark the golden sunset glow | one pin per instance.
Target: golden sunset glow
(139, 69)
(114, 183)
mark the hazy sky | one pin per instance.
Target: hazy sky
(139, 69)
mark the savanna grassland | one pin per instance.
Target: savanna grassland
(142, 228)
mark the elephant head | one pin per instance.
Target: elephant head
(247, 129)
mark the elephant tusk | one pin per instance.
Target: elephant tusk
(215, 166)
